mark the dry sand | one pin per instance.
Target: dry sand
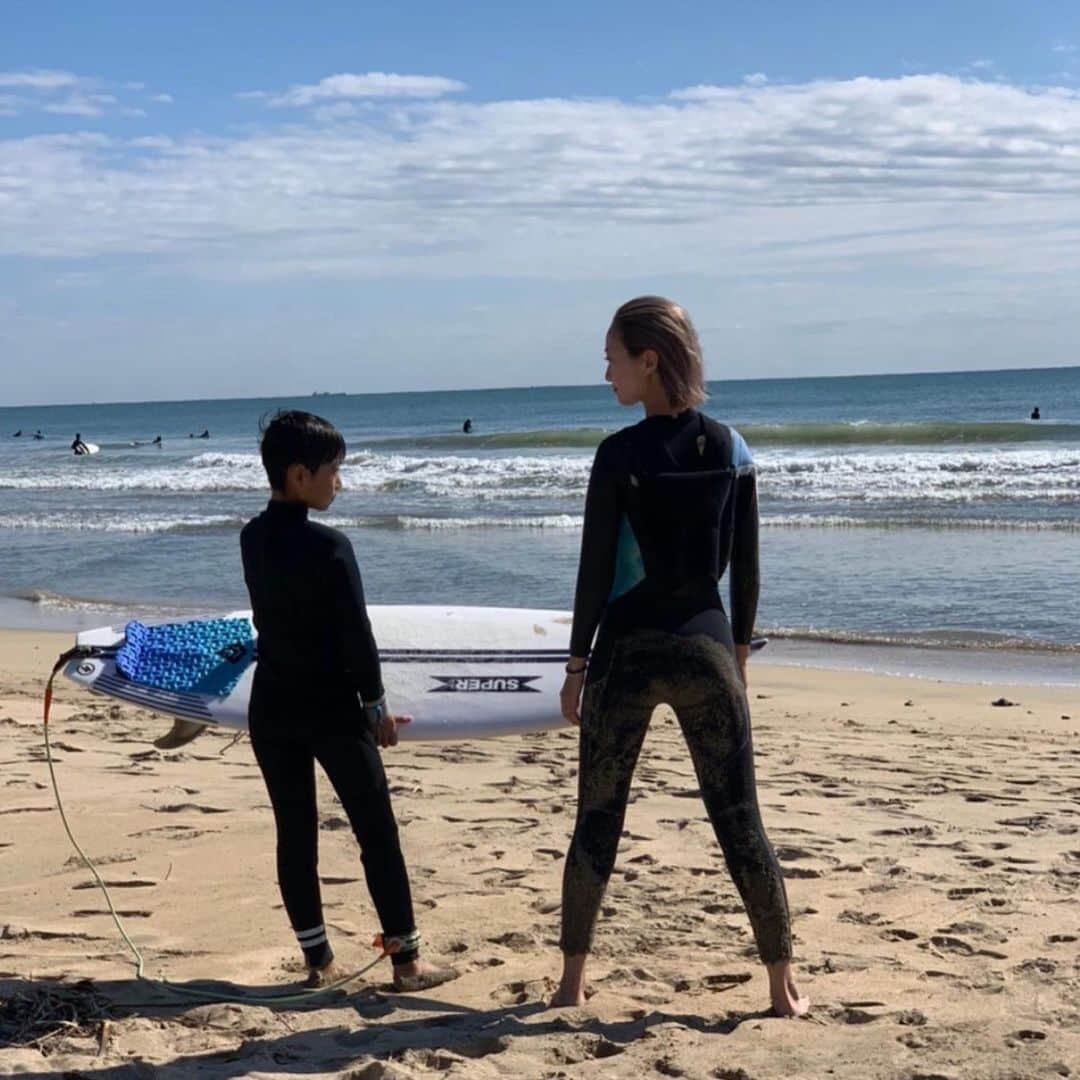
(931, 843)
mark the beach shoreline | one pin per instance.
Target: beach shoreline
(928, 837)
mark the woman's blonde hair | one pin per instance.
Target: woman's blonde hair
(653, 322)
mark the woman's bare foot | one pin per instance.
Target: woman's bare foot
(786, 1000)
(320, 977)
(418, 975)
(572, 985)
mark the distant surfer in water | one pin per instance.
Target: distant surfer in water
(18, 434)
(1035, 414)
(669, 501)
(157, 441)
(78, 447)
(467, 426)
(318, 695)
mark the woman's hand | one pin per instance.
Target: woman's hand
(570, 695)
(387, 733)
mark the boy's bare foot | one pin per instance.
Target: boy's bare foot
(410, 978)
(572, 984)
(786, 1000)
(320, 977)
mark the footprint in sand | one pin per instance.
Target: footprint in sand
(130, 913)
(946, 943)
(515, 940)
(119, 883)
(582, 1048)
(518, 993)
(898, 934)
(174, 832)
(178, 808)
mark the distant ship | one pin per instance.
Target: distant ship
(328, 393)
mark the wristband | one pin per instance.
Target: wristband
(375, 710)
(576, 671)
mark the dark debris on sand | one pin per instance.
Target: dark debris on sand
(45, 1013)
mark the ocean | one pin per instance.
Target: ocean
(904, 516)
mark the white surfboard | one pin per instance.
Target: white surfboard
(91, 448)
(460, 672)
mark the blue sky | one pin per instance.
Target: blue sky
(411, 196)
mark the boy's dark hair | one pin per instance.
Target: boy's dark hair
(293, 437)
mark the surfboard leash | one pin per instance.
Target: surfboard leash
(387, 947)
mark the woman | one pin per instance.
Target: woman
(671, 501)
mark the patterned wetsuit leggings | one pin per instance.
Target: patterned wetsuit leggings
(698, 678)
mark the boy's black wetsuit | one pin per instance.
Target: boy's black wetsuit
(672, 503)
(317, 660)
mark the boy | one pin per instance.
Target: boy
(318, 696)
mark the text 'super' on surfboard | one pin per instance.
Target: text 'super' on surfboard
(460, 672)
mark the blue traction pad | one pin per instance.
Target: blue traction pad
(206, 656)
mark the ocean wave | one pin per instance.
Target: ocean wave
(437, 524)
(555, 438)
(67, 522)
(902, 477)
(514, 477)
(913, 521)
(931, 476)
(853, 433)
(929, 639)
(212, 523)
(933, 433)
(54, 601)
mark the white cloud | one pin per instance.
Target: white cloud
(80, 104)
(162, 99)
(373, 85)
(39, 80)
(59, 93)
(924, 169)
(756, 79)
(1065, 49)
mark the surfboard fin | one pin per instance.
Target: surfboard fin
(183, 731)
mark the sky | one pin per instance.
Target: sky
(370, 197)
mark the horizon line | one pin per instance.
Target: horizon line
(510, 389)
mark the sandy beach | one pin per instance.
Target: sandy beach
(931, 842)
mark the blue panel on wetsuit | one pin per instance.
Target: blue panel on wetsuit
(629, 565)
(741, 458)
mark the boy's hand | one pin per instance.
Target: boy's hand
(742, 654)
(387, 733)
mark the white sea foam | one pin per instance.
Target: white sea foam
(70, 522)
(938, 476)
(945, 476)
(547, 521)
(139, 524)
(514, 477)
(923, 521)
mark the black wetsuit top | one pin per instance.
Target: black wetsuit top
(672, 502)
(316, 649)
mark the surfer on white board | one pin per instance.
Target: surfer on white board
(78, 447)
(317, 696)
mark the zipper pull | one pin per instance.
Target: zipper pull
(701, 446)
